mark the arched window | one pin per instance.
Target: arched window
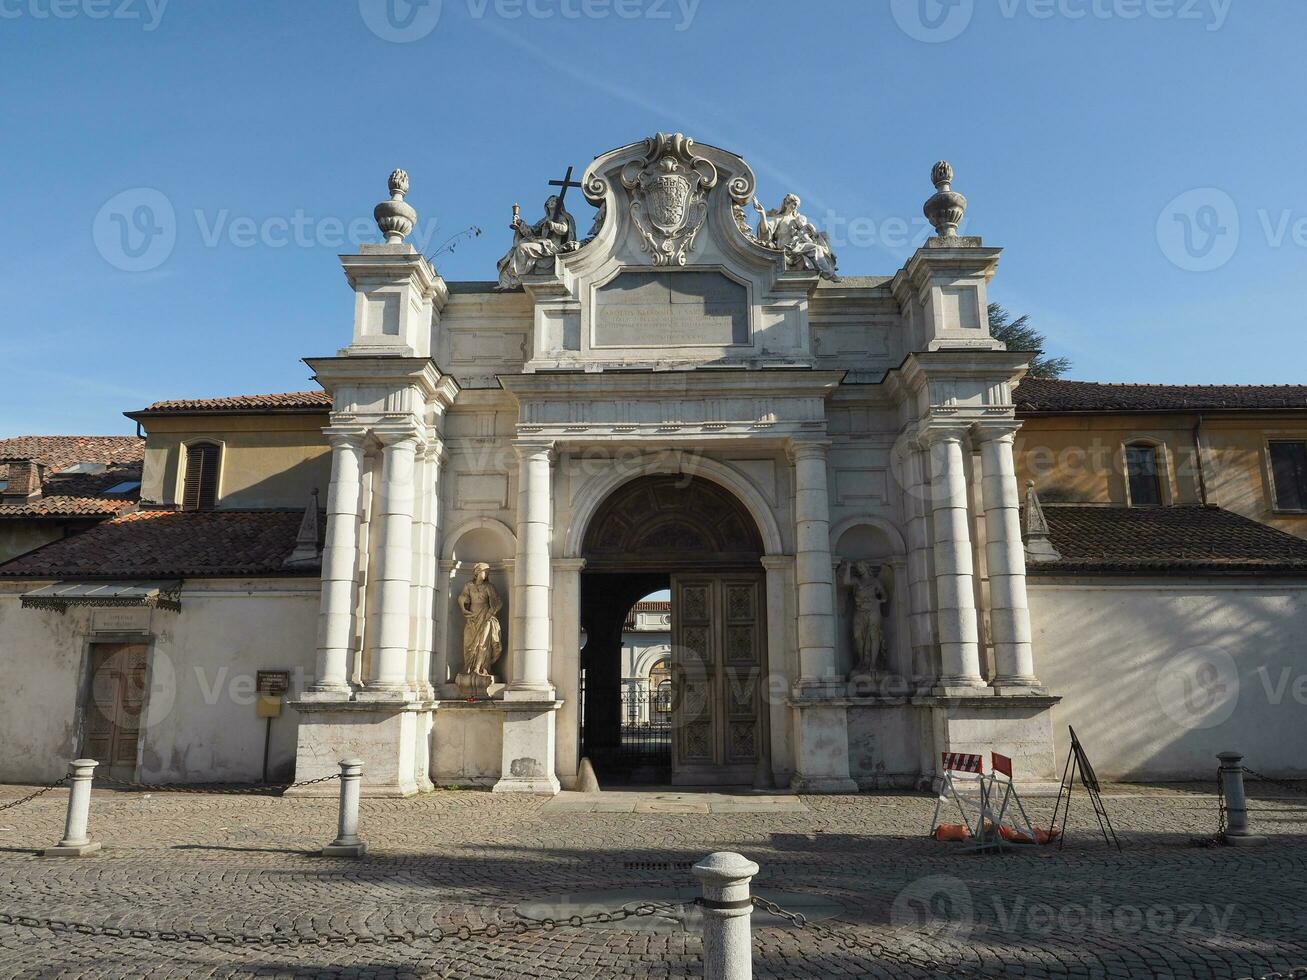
(1143, 475)
(200, 489)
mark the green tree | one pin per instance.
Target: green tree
(1018, 334)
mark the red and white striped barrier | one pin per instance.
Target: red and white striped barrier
(961, 762)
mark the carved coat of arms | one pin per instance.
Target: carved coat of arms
(669, 196)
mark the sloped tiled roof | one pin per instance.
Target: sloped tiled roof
(170, 544)
(290, 401)
(1043, 395)
(1125, 540)
(75, 494)
(58, 452)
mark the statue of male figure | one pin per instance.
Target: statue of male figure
(869, 594)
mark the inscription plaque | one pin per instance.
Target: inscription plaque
(671, 309)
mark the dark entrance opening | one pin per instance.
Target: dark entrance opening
(697, 716)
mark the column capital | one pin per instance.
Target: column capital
(534, 448)
(435, 449)
(396, 437)
(997, 430)
(569, 564)
(345, 437)
(777, 562)
(932, 433)
(801, 448)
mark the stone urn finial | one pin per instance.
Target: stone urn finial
(395, 218)
(945, 210)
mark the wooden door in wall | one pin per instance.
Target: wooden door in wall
(717, 674)
(113, 710)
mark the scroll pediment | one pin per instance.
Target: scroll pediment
(671, 275)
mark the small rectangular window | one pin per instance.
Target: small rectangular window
(200, 491)
(1142, 474)
(127, 486)
(1289, 472)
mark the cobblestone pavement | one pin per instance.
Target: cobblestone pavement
(243, 865)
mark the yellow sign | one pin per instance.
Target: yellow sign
(269, 706)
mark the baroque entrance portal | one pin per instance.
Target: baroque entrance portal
(694, 537)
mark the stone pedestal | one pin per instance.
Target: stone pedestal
(467, 743)
(382, 734)
(1019, 727)
(821, 747)
(528, 751)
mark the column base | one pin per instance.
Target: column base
(400, 695)
(328, 694)
(88, 849)
(345, 850)
(1244, 840)
(528, 753)
(822, 786)
(952, 687)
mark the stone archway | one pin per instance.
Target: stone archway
(694, 537)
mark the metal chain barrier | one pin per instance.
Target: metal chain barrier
(253, 789)
(61, 781)
(1283, 784)
(851, 941)
(520, 927)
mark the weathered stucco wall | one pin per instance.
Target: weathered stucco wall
(200, 720)
(1158, 675)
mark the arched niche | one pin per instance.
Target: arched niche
(879, 543)
(479, 540)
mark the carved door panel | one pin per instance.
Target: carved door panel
(113, 711)
(717, 662)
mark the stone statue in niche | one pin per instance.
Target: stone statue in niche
(870, 590)
(552, 235)
(789, 231)
(479, 603)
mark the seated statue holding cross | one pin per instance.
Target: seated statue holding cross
(551, 235)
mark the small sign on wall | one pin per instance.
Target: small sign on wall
(131, 620)
(272, 686)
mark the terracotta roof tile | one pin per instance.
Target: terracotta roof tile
(1039, 395)
(290, 401)
(58, 452)
(65, 494)
(1125, 540)
(170, 543)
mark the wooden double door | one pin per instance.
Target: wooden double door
(718, 663)
(112, 719)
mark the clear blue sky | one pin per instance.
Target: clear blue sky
(1074, 126)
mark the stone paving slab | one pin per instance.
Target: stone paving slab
(213, 864)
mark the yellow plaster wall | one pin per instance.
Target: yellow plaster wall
(267, 460)
(1080, 459)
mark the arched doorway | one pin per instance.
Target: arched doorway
(693, 540)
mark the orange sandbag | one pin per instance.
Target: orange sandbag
(952, 832)
(1016, 837)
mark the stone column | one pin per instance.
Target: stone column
(1005, 559)
(959, 639)
(339, 568)
(388, 678)
(817, 668)
(533, 575)
(430, 552)
(921, 602)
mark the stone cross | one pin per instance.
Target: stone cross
(565, 183)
